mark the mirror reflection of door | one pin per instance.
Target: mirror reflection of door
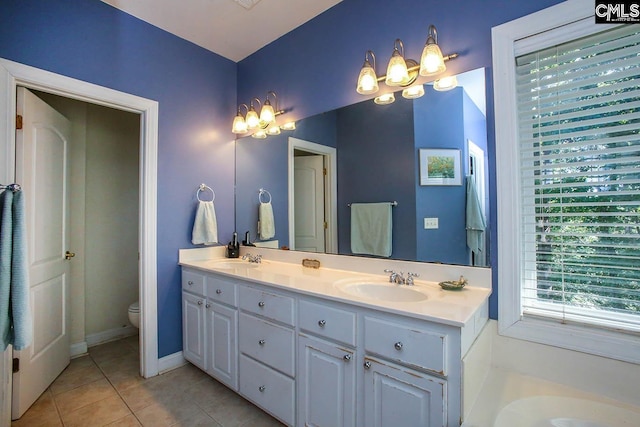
(477, 173)
(309, 202)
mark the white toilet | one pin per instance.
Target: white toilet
(134, 314)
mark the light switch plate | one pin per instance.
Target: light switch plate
(430, 223)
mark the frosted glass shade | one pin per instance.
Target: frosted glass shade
(397, 74)
(239, 125)
(387, 98)
(267, 115)
(412, 92)
(273, 129)
(252, 119)
(289, 126)
(445, 83)
(367, 80)
(260, 134)
(432, 61)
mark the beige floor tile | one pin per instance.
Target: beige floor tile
(153, 391)
(109, 351)
(200, 419)
(75, 376)
(98, 413)
(84, 395)
(178, 410)
(43, 413)
(128, 421)
(232, 411)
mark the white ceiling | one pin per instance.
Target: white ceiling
(224, 26)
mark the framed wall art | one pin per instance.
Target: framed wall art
(440, 166)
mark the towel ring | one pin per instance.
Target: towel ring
(262, 192)
(204, 187)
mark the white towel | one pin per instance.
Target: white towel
(371, 228)
(205, 226)
(267, 224)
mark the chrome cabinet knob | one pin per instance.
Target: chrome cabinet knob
(262, 388)
(262, 342)
(347, 357)
(218, 291)
(398, 346)
(367, 365)
(321, 323)
(208, 305)
(190, 282)
(199, 302)
(261, 304)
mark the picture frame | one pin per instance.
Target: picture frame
(440, 166)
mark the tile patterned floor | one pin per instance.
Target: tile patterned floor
(105, 389)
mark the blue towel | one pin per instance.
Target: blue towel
(371, 228)
(475, 219)
(15, 312)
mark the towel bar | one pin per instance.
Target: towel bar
(13, 187)
(394, 203)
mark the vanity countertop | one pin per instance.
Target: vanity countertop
(454, 308)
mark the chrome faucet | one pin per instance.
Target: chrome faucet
(410, 277)
(257, 259)
(399, 277)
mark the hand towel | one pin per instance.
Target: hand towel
(371, 232)
(205, 226)
(15, 311)
(475, 219)
(267, 223)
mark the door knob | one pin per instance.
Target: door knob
(69, 255)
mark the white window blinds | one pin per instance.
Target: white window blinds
(579, 126)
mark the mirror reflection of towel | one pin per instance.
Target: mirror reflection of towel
(267, 223)
(205, 226)
(371, 228)
(475, 219)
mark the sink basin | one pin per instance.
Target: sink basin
(382, 290)
(232, 264)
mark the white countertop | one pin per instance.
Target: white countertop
(454, 308)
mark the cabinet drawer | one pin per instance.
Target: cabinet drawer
(221, 290)
(267, 304)
(328, 322)
(271, 344)
(406, 343)
(193, 282)
(270, 390)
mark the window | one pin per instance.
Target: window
(568, 162)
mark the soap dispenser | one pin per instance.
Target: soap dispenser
(233, 248)
(247, 240)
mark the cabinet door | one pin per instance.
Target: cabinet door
(326, 384)
(221, 339)
(397, 396)
(193, 324)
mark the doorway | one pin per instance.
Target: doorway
(12, 75)
(323, 223)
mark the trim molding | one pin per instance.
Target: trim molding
(171, 362)
(78, 349)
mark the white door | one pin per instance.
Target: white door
(309, 203)
(42, 148)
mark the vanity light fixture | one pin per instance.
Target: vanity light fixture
(445, 83)
(264, 123)
(387, 98)
(401, 71)
(289, 126)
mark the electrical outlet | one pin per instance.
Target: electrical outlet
(430, 223)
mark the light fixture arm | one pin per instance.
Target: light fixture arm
(251, 103)
(245, 107)
(277, 111)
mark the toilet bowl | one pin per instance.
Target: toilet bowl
(134, 314)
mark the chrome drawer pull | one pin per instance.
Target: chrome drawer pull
(199, 302)
(398, 346)
(367, 365)
(218, 291)
(347, 357)
(190, 282)
(262, 342)
(321, 323)
(208, 305)
(261, 304)
(261, 388)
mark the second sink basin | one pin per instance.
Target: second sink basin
(381, 290)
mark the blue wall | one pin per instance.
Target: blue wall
(318, 63)
(196, 91)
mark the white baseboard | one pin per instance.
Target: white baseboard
(78, 349)
(110, 335)
(170, 362)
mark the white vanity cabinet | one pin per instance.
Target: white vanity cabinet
(327, 363)
(267, 351)
(209, 319)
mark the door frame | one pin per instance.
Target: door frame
(13, 74)
(330, 190)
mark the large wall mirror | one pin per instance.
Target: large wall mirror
(370, 153)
